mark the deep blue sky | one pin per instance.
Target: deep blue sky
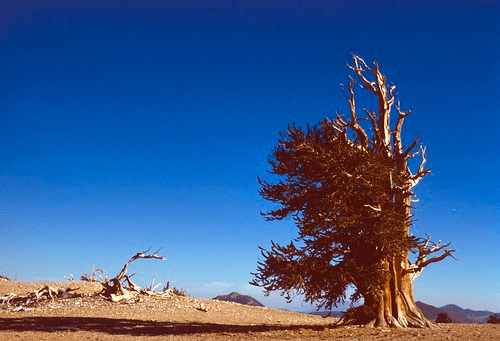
(125, 125)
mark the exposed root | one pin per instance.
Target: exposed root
(364, 316)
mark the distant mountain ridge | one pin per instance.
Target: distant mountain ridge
(472, 314)
(455, 313)
(326, 313)
(239, 298)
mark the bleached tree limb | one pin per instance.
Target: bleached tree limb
(139, 255)
(425, 248)
(385, 96)
(381, 124)
(398, 144)
(131, 284)
(354, 120)
(114, 289)
(421, 172)
(41, 295)
(118, 298)
(70, 278)
(378, 208)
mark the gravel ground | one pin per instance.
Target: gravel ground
(170, 317)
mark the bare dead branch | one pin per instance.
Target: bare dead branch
(354, 119)
(425, 248)
(406, 154)
(139, 255)
(70, 278)
(114, 289)
(392, 97)
(398, 144)
(359, 70)
(131, 284)
(384, 94)
(377, 208)
(421, 172)
(372, 117)
(20, 302)
(152, 286)
(341, 120)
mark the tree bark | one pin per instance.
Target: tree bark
(394, 305)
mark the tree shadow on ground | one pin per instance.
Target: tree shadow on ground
(138, 327)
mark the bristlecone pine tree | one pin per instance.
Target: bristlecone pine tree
(347, 184)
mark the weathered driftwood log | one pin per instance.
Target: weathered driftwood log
(114, 289)
(41, 295)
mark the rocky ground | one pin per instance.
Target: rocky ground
(171, 317)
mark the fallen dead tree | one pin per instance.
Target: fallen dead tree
(33, 298)
(114, 290)
(3, 278)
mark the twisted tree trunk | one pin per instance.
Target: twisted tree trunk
(394, 303)
(395, 306)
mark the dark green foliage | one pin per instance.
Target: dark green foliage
(175, 291)
(494, 319)
(336, 191)
(443, 318)
(358, 315)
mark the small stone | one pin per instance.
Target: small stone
(202, 308)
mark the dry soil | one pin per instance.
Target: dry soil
(91, 317)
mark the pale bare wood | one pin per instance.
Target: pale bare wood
(113, 288)
(425, 248)
(41, 295)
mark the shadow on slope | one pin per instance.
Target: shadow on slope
(137, 327)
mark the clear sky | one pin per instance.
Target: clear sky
(126, 124)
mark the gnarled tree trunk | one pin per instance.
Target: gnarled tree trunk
(394, 304)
